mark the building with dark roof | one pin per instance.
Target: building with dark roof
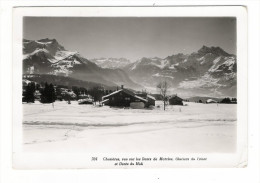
(127, 98)
(175, 100)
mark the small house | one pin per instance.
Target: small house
(175, 100)
(126, 98)
(84, 96)
(210, 101)
(85, 99)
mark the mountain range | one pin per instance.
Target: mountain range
(208, 72)
(111, 63)
(47, 56)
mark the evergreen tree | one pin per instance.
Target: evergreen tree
(76, 90)
(226, 101)
(52, 93)
(234, 100)
(29, 93)
(48, 94)
(96, 93)
(58, 94)
(44, 93)
(37, 86)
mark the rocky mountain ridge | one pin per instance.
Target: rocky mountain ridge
(208, 72)
(47, 56)
(111, 63)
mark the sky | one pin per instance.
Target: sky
(133, 37)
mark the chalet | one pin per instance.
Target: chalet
(67, 94)
(175, 100)
(85, 99)
(84, 96)
(126, 98)
(210, 101)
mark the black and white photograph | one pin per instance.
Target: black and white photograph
(130, 85)
(129, 91)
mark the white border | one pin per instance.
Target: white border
(83, 160)
(249, 174)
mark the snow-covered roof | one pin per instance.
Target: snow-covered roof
(140, 98)
(211, 101)
(150, 96)
(126, 91)
(26, 81)
(113, 93)
(85, 99)
(103, 101)
(129, 92)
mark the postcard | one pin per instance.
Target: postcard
(129, 87)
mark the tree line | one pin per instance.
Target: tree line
(226, 100)
(49, 93)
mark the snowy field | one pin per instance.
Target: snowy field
(196, 128)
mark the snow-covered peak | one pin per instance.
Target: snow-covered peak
(48, 41)
(223, 65)
(48, 53)
(60, 55)
(160, 63)
(111, 63)
(49, 44)
(214, 50)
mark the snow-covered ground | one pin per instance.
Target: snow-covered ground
(198, 128)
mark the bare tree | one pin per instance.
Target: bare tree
(163, 89)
